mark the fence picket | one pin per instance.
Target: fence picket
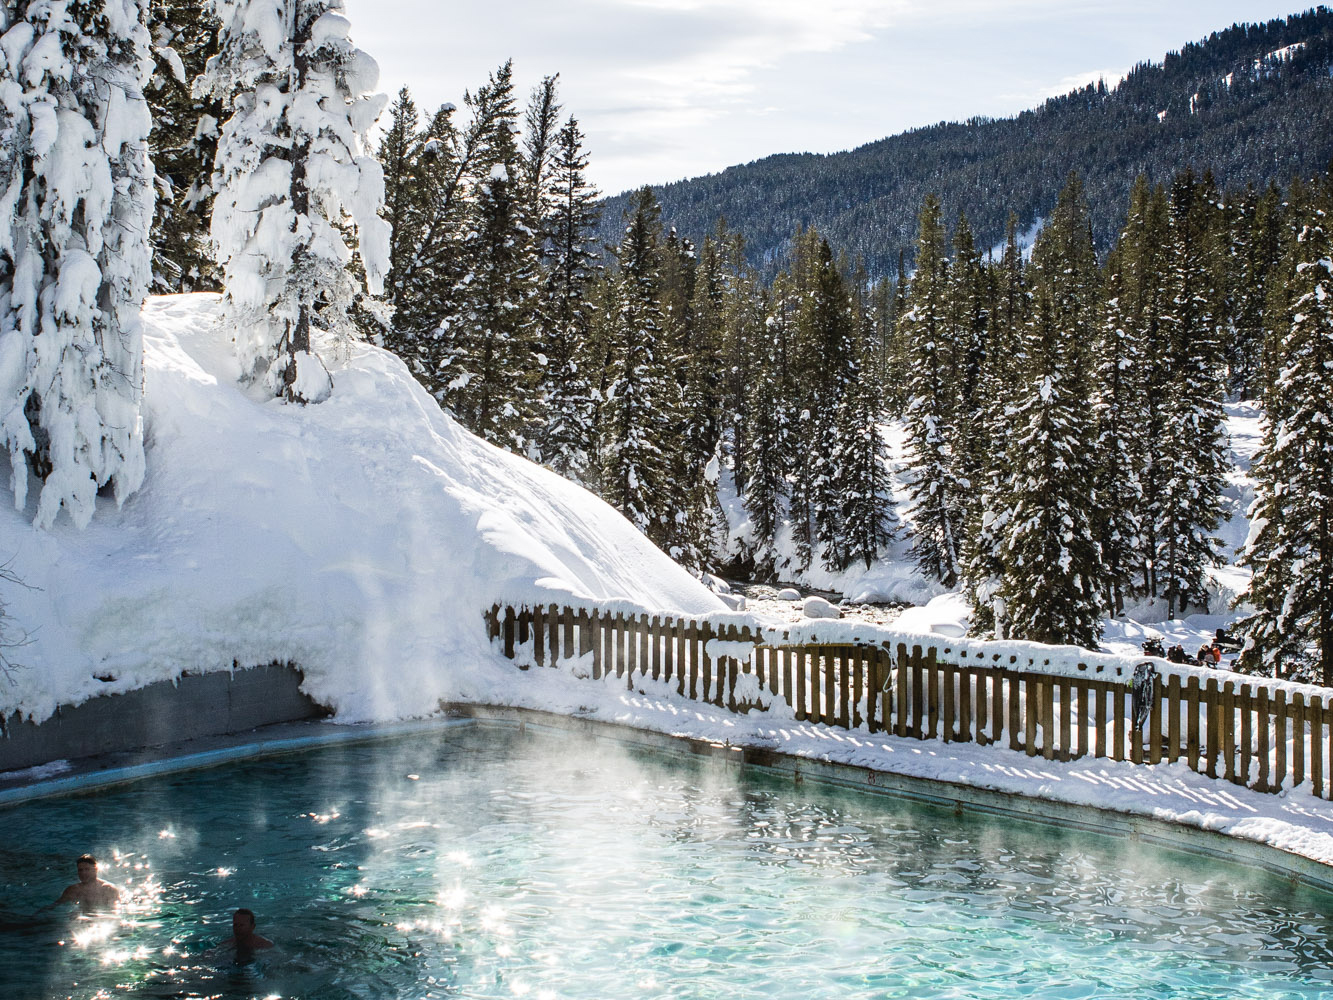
(1279, 739)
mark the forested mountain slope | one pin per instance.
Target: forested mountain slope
(1254, 103)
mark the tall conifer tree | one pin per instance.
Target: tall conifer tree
(1290, 634)
(937, 487)
(74, 252)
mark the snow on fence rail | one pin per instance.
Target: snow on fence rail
(1251, 731)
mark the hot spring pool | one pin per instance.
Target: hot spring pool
(481, 861)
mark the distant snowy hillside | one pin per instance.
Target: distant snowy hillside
(361, 539)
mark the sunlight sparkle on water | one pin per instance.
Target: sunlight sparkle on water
(94, 933)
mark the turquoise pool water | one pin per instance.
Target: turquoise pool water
(481, 862)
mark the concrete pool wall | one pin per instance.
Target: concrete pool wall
(194, 705)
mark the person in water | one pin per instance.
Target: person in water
(243, 937)
(89, 893)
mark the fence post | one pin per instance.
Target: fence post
(567, 627)
(966, 675)
(1262, 711)
(1212, 712)
(1155, 724)
(539, 636)
(903, 687)
(1316, 712)
(595, 640)
(509, 633)
(1229, 731)
(1082, 699)
(1280, 738)
(1246, 733)
(1016, 721)
(655, 628)
(1192, 723)
(1298, 739)
(947, 673)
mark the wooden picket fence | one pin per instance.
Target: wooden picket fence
(1245, 730)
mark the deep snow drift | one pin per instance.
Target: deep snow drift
(361, 539)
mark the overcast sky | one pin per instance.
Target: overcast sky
(666, 89)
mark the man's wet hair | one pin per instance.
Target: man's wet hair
(243, 911)
(86, 859)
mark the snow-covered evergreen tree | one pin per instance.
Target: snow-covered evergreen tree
(937, 487)
(1192, 450)
(183, 143)
(1141, 303)
(1052, 579)
(291, 175)
(866, 517)
(1256, 225)
(1290, 633)
(74, 254)
(568, 444)
(1119, 412)
(967, 321)
(768, 454)
(1004, 363)
(490, 367)
(635, 472)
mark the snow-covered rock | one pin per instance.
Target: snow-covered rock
(817, 607)
(789, 594)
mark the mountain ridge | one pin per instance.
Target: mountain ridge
(1252, 103)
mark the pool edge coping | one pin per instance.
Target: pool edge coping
(92, 773)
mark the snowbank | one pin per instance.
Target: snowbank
(361, 539)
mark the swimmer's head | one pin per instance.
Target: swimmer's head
(87, 867)
(242, 922)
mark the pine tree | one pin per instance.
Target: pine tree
(937, 487)
(1192, 450)
(967, 321)
(635, 475)
(290, 176)
(1290, 633)
(183, 143)
(866, 519)
(490, 368)
(745, 350)
(400, 155)
(1052, 574)
(1256, 247)
(569, 443)
(1143, 302)
(74, 253)
(1004, 364)
(769, 454)
(1119, 410)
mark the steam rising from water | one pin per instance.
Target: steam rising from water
(494, 864)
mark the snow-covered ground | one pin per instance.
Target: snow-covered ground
(362, 538)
